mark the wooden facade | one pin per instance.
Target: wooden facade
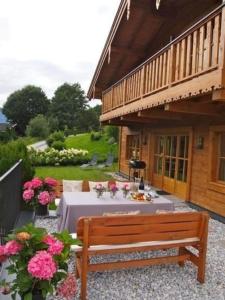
(170, 105)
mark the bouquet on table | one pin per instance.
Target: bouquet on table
(38, 193)
(113, 189)
(100, 189)
(40, 263)
(125, 189)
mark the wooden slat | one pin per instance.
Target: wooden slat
(183, 59)
(160, 71)
(156, 72)
(113, 230)
(194, 52)
(165, 63)
(150, 77)
(208, 46)
(189, 56)
(200, 48)
(177, 68)
(153, 75)
(215, 50)
(136, 238)
(139, 263)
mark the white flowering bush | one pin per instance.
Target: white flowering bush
(53, 157)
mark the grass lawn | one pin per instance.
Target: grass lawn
(83, 141)
(75, 173)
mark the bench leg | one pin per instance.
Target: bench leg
(201, 265)
(84, 263)
(181, 251)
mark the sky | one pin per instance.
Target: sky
(49, 42)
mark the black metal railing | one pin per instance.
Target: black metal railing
(10, 199)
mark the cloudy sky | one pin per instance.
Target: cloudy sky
(49, 42)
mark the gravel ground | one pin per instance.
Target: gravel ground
(158, 282)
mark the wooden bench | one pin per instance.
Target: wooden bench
(122, 234)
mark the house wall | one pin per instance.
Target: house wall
(200, 191)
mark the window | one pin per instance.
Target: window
(221, 157)
(217, 159)
(133, 147)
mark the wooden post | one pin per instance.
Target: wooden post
(142, 83)
(221, 58)
(84, 268)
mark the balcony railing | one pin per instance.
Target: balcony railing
(192, 54)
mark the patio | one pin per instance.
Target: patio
(158, 282)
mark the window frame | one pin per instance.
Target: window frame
(214, 148)
(130, 148)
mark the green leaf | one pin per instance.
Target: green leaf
(28, 296)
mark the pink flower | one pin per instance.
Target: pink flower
(126, 187)
(3, 257)
(12, 248)
(68, 287)
(28, 185)
(51, 181)
(49, 239)
(55, 246)
(44, 198)
(36, 183)
(28, 195)
(99, 186)
(113, 188)
(42, 266)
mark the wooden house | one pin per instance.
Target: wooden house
(161, 79)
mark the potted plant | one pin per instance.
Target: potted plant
(38, 193)
(40, 263)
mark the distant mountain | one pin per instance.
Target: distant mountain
(2, 118)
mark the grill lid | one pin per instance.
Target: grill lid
(137, 164)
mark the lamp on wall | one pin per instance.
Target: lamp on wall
(157, 4)
(200, 142)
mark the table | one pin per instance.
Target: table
(74, 205)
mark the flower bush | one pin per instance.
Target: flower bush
(39, 261)
(53, 157)
(39, 191)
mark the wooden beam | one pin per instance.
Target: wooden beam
(193, 108)
(218, 95)
(137, 119)
(159, 115)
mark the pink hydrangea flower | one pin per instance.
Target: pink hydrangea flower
(3, 257)
(28, 185)
(44, 198)
(68, 287)
(36, 183)
(126, 187)
(55, 248)
(50, 181)
(42, 266)
(49, 239)
(113, 188)
(99, 186)
(28, 195)
(12, 248)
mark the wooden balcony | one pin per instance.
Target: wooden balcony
(191, 64)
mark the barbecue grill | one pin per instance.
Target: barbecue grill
(136, 165)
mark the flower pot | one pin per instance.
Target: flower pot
(36, 295)
(41, 210)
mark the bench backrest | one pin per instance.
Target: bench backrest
(141, 228)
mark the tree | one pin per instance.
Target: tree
(23, 105)
(38, 127)
(67, 104)
(88, 120)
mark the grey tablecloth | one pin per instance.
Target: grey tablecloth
(74, 205)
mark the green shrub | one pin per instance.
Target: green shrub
(55, 136)
(112, 131)
(95, 136)
(10, 154)
(111, 140)
(53, 157)
(38, 127)
(58, 145)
